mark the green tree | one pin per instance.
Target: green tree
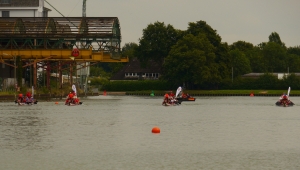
(275, 57)
(156, 42)
(241, 46)
(274, 37)
(98, 72)
(192, 62)
(221, 49)
(294, 50)
(200, 27)
(128, 50)
(240, 63)
(256, 59)
(293, 63)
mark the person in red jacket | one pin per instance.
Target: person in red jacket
(69, 99)
(20, 98)
(172, 94)
(166, 98)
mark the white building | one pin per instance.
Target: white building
(23, 8)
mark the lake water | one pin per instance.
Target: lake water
(114, 133)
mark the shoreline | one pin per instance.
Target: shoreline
(49, 97)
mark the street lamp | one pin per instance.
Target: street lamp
(14, 71)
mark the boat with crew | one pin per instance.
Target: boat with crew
(284, 100)
(26, 99)
(72, 99)
(181, 96)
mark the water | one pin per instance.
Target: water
(114, 132)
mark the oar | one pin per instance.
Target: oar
(289, 90)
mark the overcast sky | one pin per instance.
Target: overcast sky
(247, 20)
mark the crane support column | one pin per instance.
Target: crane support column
(34, 74)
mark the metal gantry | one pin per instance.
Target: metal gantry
(51, 39)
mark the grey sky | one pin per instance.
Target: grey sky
(247, 20)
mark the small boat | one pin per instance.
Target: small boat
(72, 99)
(26, 100)
(284, 100)
(25, 103)
(172, 102)
(180, 96)
(186, 98)
(74, 104)
(286, 103)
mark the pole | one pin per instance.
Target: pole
(16, 86)
(232, 74)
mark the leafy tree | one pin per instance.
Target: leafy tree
(241, 46)
(256, 59)
(221, 49)
(274, 37)
(294, 50)
(156, 42)
(200, 27)
(267, 81)
(291, 81)
(240, 63)
(293, 63)
(192, 62)
(98, 72)
(275, 57)
(129, 49)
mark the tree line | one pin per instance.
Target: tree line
(198, 59)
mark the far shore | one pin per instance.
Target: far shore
(46, 97)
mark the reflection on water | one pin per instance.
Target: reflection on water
(114, 132)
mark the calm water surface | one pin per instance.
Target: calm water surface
(114, 132)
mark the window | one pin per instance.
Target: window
(45, 13)
(5, 13)
(5, 1)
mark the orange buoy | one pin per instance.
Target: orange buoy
(104, 93)
(155, 130)
(56, 102)
(251, 94)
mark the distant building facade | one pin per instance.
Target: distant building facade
(133, 71)
(278, 75)
(23, 8)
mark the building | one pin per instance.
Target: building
(257, 75)
(18, 8)
(23, 8)
(133, 71)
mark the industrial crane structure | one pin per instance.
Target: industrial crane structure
(52, 42)
(84, 8)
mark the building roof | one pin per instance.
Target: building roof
(47, 9)
(257, 75)
(134, 66)
(19, 3)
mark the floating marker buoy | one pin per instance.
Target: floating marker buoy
(155, 130)
(251, 94)
(152, 93)
(104, 92)
(56, 102)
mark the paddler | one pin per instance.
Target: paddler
(20, 98)
(70, 98)
(166, 98)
